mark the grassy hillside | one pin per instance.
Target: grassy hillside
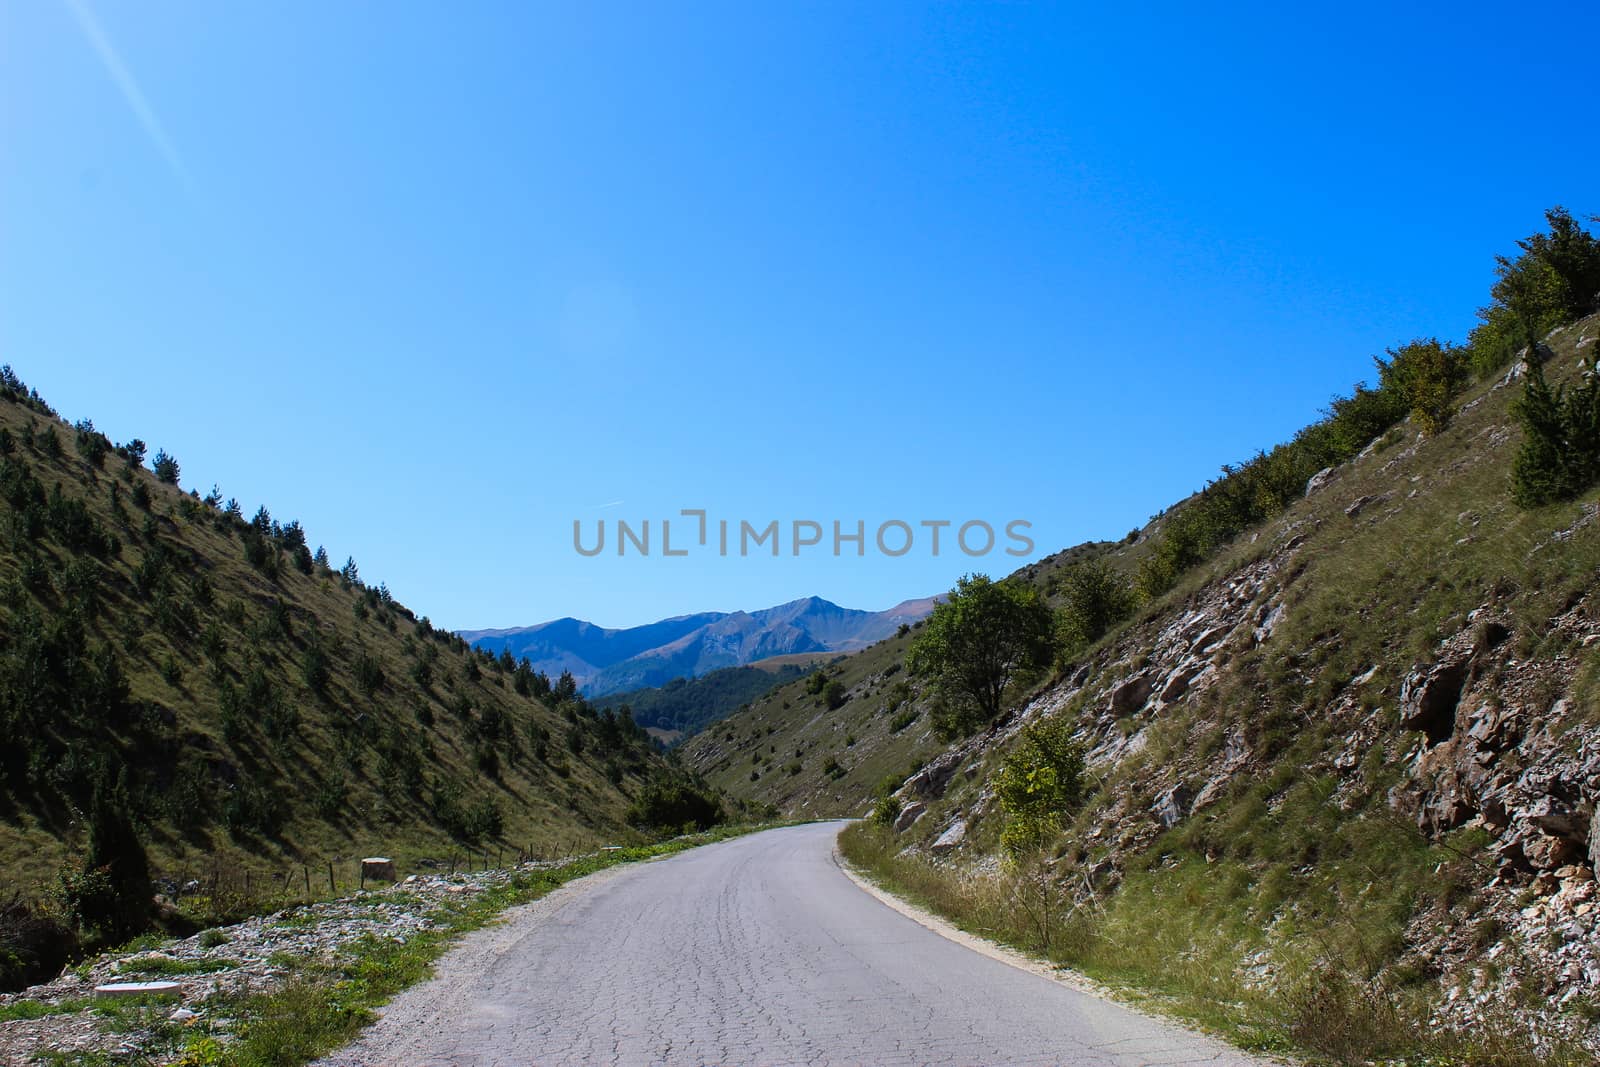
(687, 705)
(250, 704)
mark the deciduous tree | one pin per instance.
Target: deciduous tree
(976, 643)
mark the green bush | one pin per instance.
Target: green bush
(1095, 598)
(888, 806)
(33, 945)
(1425, 375)
(902, 720)
(1560, 453)
(672, 801)
(1040, 780)
(1555, 280)
(369, 673)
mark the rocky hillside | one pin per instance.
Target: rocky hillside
(246, 702)
(1365, 735)
(604, 661)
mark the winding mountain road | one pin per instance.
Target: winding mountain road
(757, 950)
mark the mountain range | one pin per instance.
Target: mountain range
(604, 660)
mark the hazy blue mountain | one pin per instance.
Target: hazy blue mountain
(609, 661)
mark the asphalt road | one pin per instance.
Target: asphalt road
(757, 950)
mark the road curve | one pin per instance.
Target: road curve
(757, 950)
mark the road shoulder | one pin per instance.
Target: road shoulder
(1065, 976)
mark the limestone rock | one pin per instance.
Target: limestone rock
(1554, 817)
(951, 838)
(1319, 479)
(1547, 852)
(1171, 806)
(1268, 621)
(1355, 509)
(1594, 840)
(1429, 696)
(908, 815)
(930, 782)
(138, 989)
(1180, 680)
(1129, 696)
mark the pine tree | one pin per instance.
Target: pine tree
(1560, 453)
(115, 851)
(166, 467)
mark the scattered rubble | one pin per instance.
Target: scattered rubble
(254, 956)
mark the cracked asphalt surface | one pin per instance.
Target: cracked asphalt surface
(757, 950)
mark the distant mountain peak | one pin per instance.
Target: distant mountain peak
(611, 660)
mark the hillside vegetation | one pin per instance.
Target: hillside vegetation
(1314, 757)
(685, 706)
(188, 691)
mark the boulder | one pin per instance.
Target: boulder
(931, 781)
(951, 839)
(1129, 696)
(1208, 639)
(1171, 806)
(1444, 809)
(908, 815)
(1319, 479)
(1179, 681)
(1268, 621)
(1355, 509)
(1495, 727)
(1547, 852)
(1429, 695)
(1555, 818)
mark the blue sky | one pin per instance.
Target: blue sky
(438, 280)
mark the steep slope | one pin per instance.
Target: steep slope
(1357, 750)
(253, 703)
(609, 661)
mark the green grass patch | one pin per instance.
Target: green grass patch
(168, 967)
(38, 1009)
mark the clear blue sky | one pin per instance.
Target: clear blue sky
(438, 279)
